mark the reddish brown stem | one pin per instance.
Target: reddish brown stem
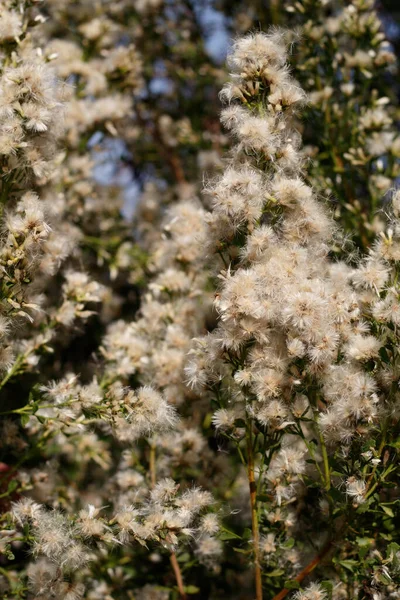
(178, 576)
(307, 570)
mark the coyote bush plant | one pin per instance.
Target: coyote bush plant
(201, 401)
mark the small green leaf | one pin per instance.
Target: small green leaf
(276, 573)
(262, 498)
(364, 545)
(35, 407)
(191, 589)
(207, 421)
(363, 508)
(388, 510)
(229, 535)
(183, 558)
(24, 419)
(382, 578)
(348, 564)
(392, 550)
(335, 494)
(247, 534)
(328, 587)
(241, 551)
(364, 541)
(384, 355)
(291, 584)
(12, 486)
(288, 544)
(395, 444)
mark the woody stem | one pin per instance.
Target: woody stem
(254, 513)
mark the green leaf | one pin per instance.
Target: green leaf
(392, 550)
(229, 535)
(288, 544)
(214, 404)
(335, 494)
(12, 486)
(364, 541)
(247, 534)
(328, 587)
(364, 545)
(276, 573)
(262, 498)
(191, 589)
(24, 419)
(35, 407)
(241, 551)
(363, 508)
(9, 554)
(388, 510)
(388, 524)
(207, 421)
(382, 578)
(384, 355)
(291, 584)
(183, 558)
(348, 564)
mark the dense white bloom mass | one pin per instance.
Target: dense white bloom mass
(211, 389)
(296, 353)
(283, 299)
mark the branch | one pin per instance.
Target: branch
(307, 570)
(254, 513)
(178, 576)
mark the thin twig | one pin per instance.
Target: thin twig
(307, 570)
(178, 576)
(326, 461)
(254, 513)
(152, 465)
